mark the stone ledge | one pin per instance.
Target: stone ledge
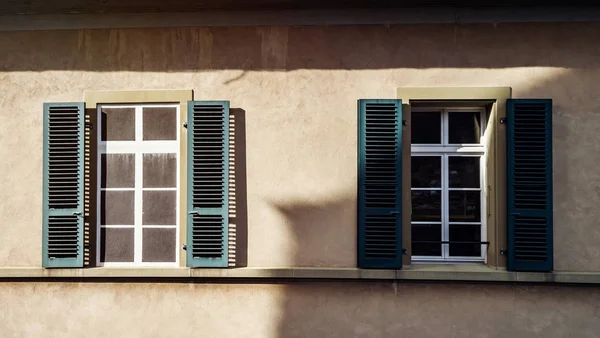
(466, 273)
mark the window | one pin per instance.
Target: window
(447, 180)
(138, 178)
(480, 186)
(149, 187)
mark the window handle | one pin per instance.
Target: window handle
(78, 214)
(394, 212)
(194, 212)
(516, 214)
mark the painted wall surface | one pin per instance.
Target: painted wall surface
(296, 310)
(297, 87)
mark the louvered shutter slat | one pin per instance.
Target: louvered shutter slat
(380, 184)
(208, 183)
(529, 179)
(63, 185)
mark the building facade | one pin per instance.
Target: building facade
(280, 174)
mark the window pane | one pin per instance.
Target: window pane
(426, 206)
(116, 245)
(464, 127)
(160, 123)
(117, 207)
(159, 208)
(118, 124)
(425, 171)
(464, 171)
(117, 170)
(426, 128)
(422, 233)
(465, 233)
(158, 245)
(465, 206)
(160, 170)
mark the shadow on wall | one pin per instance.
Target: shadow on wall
(91, 226)
(320, 240)
(423, 310)
(302, 47)
(238, 195)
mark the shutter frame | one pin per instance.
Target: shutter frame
(71, 215)
(525, 209)
(365, 258)
(194, 213)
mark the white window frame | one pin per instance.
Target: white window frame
(138, 147)
(445, 150)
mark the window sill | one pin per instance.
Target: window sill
(424, 272)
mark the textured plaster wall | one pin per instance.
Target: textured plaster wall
(296, 310)
(298, 88)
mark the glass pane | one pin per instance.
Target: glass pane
(160, 123)
(118, 124)
(117, 207)
(160, 170)
(464, 127)
(426, 128)
(426, 206)
(465, 206)
(426, 171)
(158, 245)
(118, 170)
(116, 245)
(465, 233)
(159, 208)
(423, 233)
(464, 171)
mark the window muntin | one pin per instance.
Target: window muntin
(138, 191)
(448, 195)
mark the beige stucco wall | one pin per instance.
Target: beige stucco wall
(297, 87)
(296, 310)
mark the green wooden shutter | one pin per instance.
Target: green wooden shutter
(380, 183)
(207, 183)
(529, 178)
(63, 185)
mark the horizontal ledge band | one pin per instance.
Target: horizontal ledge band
(308, 17)
(466, 273)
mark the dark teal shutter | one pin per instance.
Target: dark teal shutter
(63, 185)
(380, 184)
(207, 183)
(529, 178)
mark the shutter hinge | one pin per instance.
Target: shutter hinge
(184, 247)
(503, 252)
(185, 124)
(403, 122)
(404, 251)
(502, 120)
